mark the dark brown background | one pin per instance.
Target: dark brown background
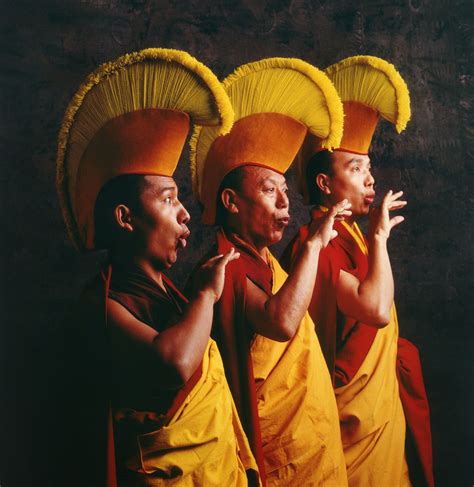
(49, 47)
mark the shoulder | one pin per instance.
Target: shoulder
(291, 249)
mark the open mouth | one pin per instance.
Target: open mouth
(369, 199)
(283, 222)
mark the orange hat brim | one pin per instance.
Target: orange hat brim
(146, 141)
(269, 140)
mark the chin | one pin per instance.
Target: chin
(275, 237)
(171, 261)
(361, 211)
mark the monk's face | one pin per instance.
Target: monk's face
(160, 222)
(263, 206)
(352, 179)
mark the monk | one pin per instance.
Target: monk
(169, 385)
(377, 376)
(352, 307)
(273, 361)
(295, 423)
(152, 369)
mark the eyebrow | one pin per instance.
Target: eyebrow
(357, 160)
(168, 188)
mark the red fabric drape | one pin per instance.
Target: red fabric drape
(233, 335)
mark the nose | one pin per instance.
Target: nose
(183, 215)
(282, 200)
(369, 179)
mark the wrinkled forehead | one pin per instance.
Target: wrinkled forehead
(256, 176)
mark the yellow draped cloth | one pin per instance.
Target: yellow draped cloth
(371, 413)
(203, 444)
(296, 406)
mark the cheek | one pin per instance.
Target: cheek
(262, 217)
(161, 234)
(349, 186)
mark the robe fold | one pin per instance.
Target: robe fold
(184, 437)
(282, 390)
(377, 376)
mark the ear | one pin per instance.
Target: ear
(323, 183)
(123, 217)
(228, 198)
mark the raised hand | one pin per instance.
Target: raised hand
(380, 223)
(210, 277)
(321, 231)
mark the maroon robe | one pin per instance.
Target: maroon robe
(134, 408)
(345, 342)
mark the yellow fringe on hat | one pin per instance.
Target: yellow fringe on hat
(151, 78)
(373, 82)
(276, 85)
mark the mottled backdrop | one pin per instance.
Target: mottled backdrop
(48, 47)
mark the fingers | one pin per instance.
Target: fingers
(229, 257)
(343, 215)
(340, 207)
(341, 210)
(391, 202)
(397, 205)
(234, 257)
(396, 220)
(210, 261)
(390, 196)
(387, 199)
(222, 259)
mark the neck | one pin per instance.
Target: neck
(351, 219)
(127, 261)
(248, 239)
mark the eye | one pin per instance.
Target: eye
(168, 200)
(356, 169)
(269, 190)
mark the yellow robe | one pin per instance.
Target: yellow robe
(296, 406)
(371, 413)
(203, 444)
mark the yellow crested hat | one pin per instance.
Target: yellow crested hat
(276, 102)
(369, 88)
(131, 116)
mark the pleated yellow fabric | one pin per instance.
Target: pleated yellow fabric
(373, 436)
(297, 409)
(199, 445)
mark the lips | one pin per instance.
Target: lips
(284, 221)
(369, 198)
